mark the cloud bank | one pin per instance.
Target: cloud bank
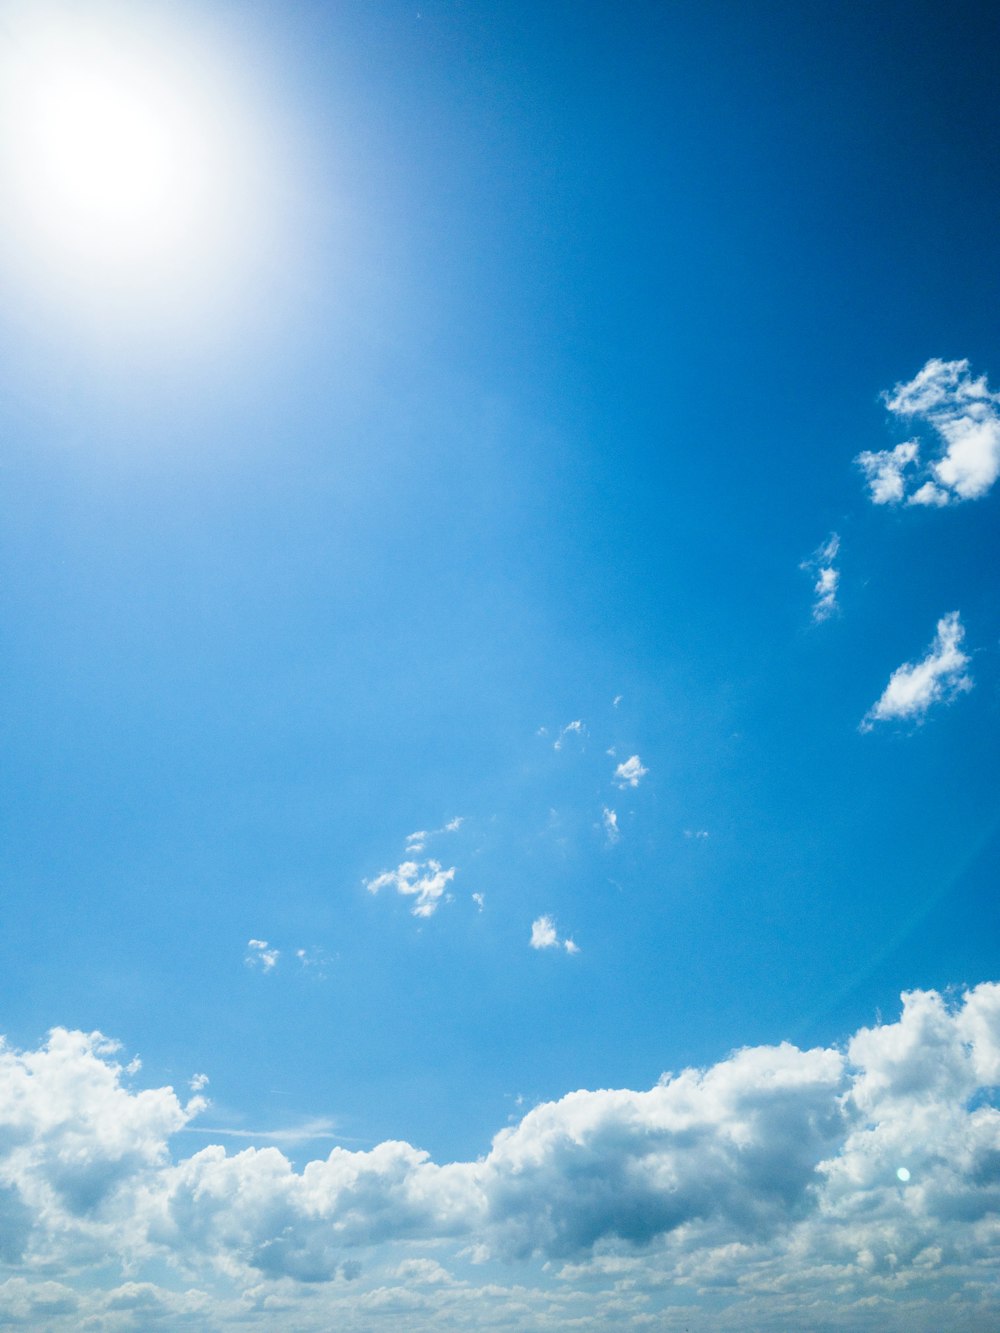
(863, 1180)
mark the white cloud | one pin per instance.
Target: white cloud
(543, 933)
(964, 415)
(610, 819)
(699, 833)
(630, 772)
(545, 936)
(616, 700)
(417, 842)
(424, 880)
(860, 1184)
(827, 580)
(198, 1081)
(885, 471)
(940, 676)
(261, 955)
(480, 900)
(571, 729)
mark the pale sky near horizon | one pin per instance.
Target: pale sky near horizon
(500, 678)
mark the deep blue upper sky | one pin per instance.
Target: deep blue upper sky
(548, 381)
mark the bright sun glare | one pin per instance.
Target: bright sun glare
(124, 155)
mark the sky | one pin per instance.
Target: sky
(501, 693)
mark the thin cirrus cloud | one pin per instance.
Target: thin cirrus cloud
(827, 578)
(545, 936)
(630, 772)
(964, 416)
(938, 677)
(866, 1173)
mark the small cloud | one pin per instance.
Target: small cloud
(571, 729)
(479, 899)
(964, 415)
(261, 955)
(884, 471)
(616, 700)
(940, 676)
(313, 961)
(426, 881)
(545, 936)
(700, 833)
(630, 772)
(827, 575)
(197, 1082)
(453, 825)
(416, 842)
(610, 820)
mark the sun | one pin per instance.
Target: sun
(125, 151)
(107, 152)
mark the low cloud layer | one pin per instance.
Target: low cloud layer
(914, 687)
(865, 1177)
(964, 416)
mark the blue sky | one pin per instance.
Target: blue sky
(494, 424)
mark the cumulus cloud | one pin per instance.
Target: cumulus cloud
(964, 416)
(859, 1183)
(630, 772)
(261, 955)
(827, 578)
(545, 936)
(939, 676)
(426, 881)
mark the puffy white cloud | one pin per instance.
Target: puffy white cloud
(827, 577)
(630, 772)
(261, 955)
(964, 415)
(426, 881)
(844, 1188)
(913, 688)
(545, 936)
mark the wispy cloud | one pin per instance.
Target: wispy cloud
(964, 415)
(417, 842)
(630, 772)
(571, 729)
(545, 936)
(698, 833)
(426, 881)
(914, 687)
(827, 578)
(610, 821)
(261, 955)
(307, 1132)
